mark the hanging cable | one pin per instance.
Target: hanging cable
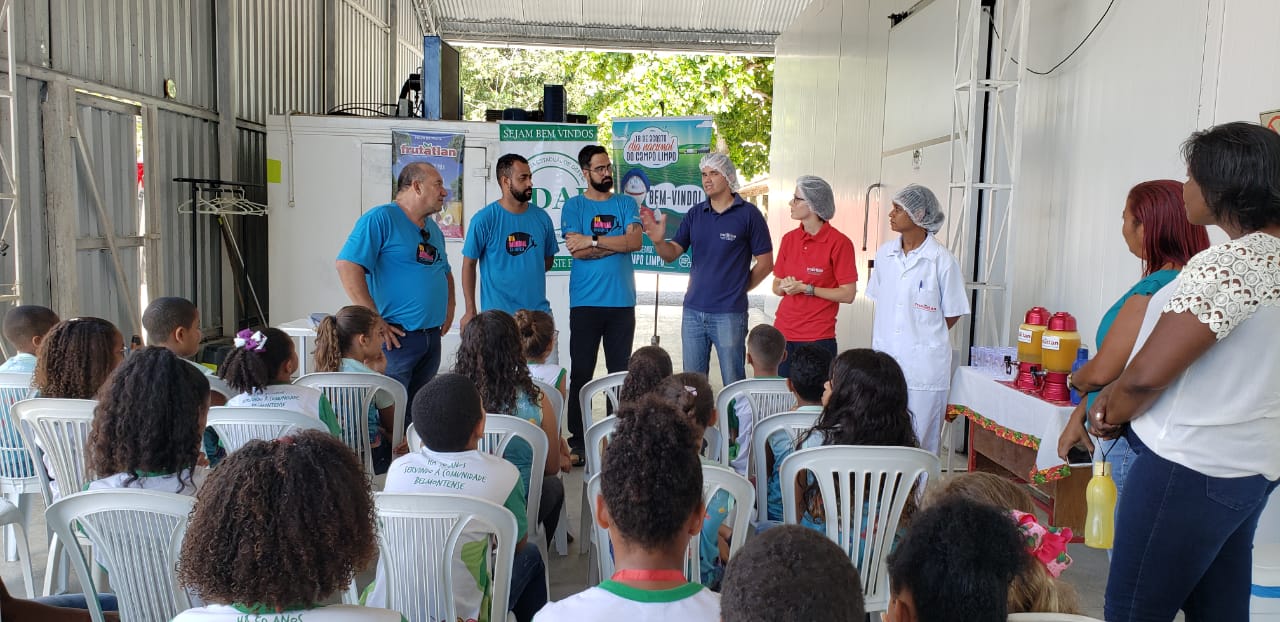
(1069, 55)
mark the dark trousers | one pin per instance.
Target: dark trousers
(588, 326)
(415, 362)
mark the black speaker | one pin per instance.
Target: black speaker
(553, 103)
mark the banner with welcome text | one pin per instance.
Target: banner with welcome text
(656, 162)
(552, 151)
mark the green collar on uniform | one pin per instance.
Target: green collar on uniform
(650, 596)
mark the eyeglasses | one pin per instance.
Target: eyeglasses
(601, 170)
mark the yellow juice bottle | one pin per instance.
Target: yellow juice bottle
(1100, 521)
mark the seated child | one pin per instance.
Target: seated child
(766, 349)
(449, 418)
(174, 323)
(691, 394)
(148, 423)
(955, 564)
(651, 503)
(808, 374)
(490, 356)
(257, 550)
(1038, 588)
(647, 367)
(791, 573)
(349, 341)
(538, 339)
(24, 328)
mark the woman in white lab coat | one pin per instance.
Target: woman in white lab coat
(919, 294)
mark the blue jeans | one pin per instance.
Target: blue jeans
(1184, 540)
(784, 368)
(416, 361)
(726, 331)
(528, 583)
(77, 601)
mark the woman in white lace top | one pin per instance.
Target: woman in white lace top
(1203, 397)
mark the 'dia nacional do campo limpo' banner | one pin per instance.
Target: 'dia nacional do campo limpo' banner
(552, 150)
(657, 165)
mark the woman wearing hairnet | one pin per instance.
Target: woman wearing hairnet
(919, 294)
(814, 271)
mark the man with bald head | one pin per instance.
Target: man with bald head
(394, 262)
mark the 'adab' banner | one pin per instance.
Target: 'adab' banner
(657, 165)
(443, 151)
(552, 151)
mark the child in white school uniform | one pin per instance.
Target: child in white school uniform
(24, 328)
(351, 341)
(651, 503)
(173, 322)
(538, 339)
(147, 425)
(255, 549)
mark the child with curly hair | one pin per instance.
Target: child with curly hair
(255, 549)
(24, 328)
(651, 504)
(449, 418)
(260, 367)
(148, 423)
(772, 578)
(76, 358)
(647, 367)
(490, 356)
(348, 341)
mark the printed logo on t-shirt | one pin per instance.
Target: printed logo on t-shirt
(728, 237)
(814, 270)
(428, 254)
(602, 224)
(519, 242)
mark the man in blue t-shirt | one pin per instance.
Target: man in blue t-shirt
(601, 230)
(514, 245)
(394, 261)
(723, 234)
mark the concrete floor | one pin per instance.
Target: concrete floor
(569, 573)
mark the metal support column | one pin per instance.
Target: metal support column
(10, 240)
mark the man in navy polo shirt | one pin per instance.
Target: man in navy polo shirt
(723, 233)
(601, 230)
(394, 261)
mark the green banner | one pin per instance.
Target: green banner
(552, 151)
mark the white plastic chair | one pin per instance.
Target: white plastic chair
(560, 539)
(499, 430)
(351, 395)
(767, 396)
(793, 424)
(237, 425)
(861, 486)
(220, 386)
(137, 534)
(714, 479)
(607, 385)
(55, 432)
(11, 516)
(418, 540)
(594, 442)
(18, 478)
(1049, 617)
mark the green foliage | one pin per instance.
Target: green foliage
(736, 90)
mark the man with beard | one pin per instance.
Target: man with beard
(513, 244)
(394, 262)
(601, 230)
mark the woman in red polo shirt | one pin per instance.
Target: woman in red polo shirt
(814, 271)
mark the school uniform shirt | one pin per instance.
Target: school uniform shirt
(549, 373)
(474, 474)
(19, 363)
(615, 601)
(405, 266)
(609, 281)
(159, 482)
(512, 250)
(721, 247)
(326, 613)
(824, 260)
(299, 399)
(914, 293)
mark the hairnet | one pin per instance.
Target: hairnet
(721, 163)
(817, 193)
(923, 208)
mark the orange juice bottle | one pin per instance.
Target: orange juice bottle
(1058, 344)
(1030, 333)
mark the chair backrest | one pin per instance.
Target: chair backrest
(793, 424)
(714, 479)
(136, 535)
(1049, 617)
(597, 436)
(351, 395)
(767, 396)
(418, 543)
(607, 385)
(864, 490)
(220, 386)
(237, 425)
(57, 430)
(499, 430)
(558, 404)
(17, 472)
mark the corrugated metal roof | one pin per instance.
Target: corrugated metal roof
(678, 25)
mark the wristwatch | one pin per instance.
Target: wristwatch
(808, 290)
(1072, 385)
(595, 241)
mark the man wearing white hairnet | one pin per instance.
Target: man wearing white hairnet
(725, 234)
(919, 294)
